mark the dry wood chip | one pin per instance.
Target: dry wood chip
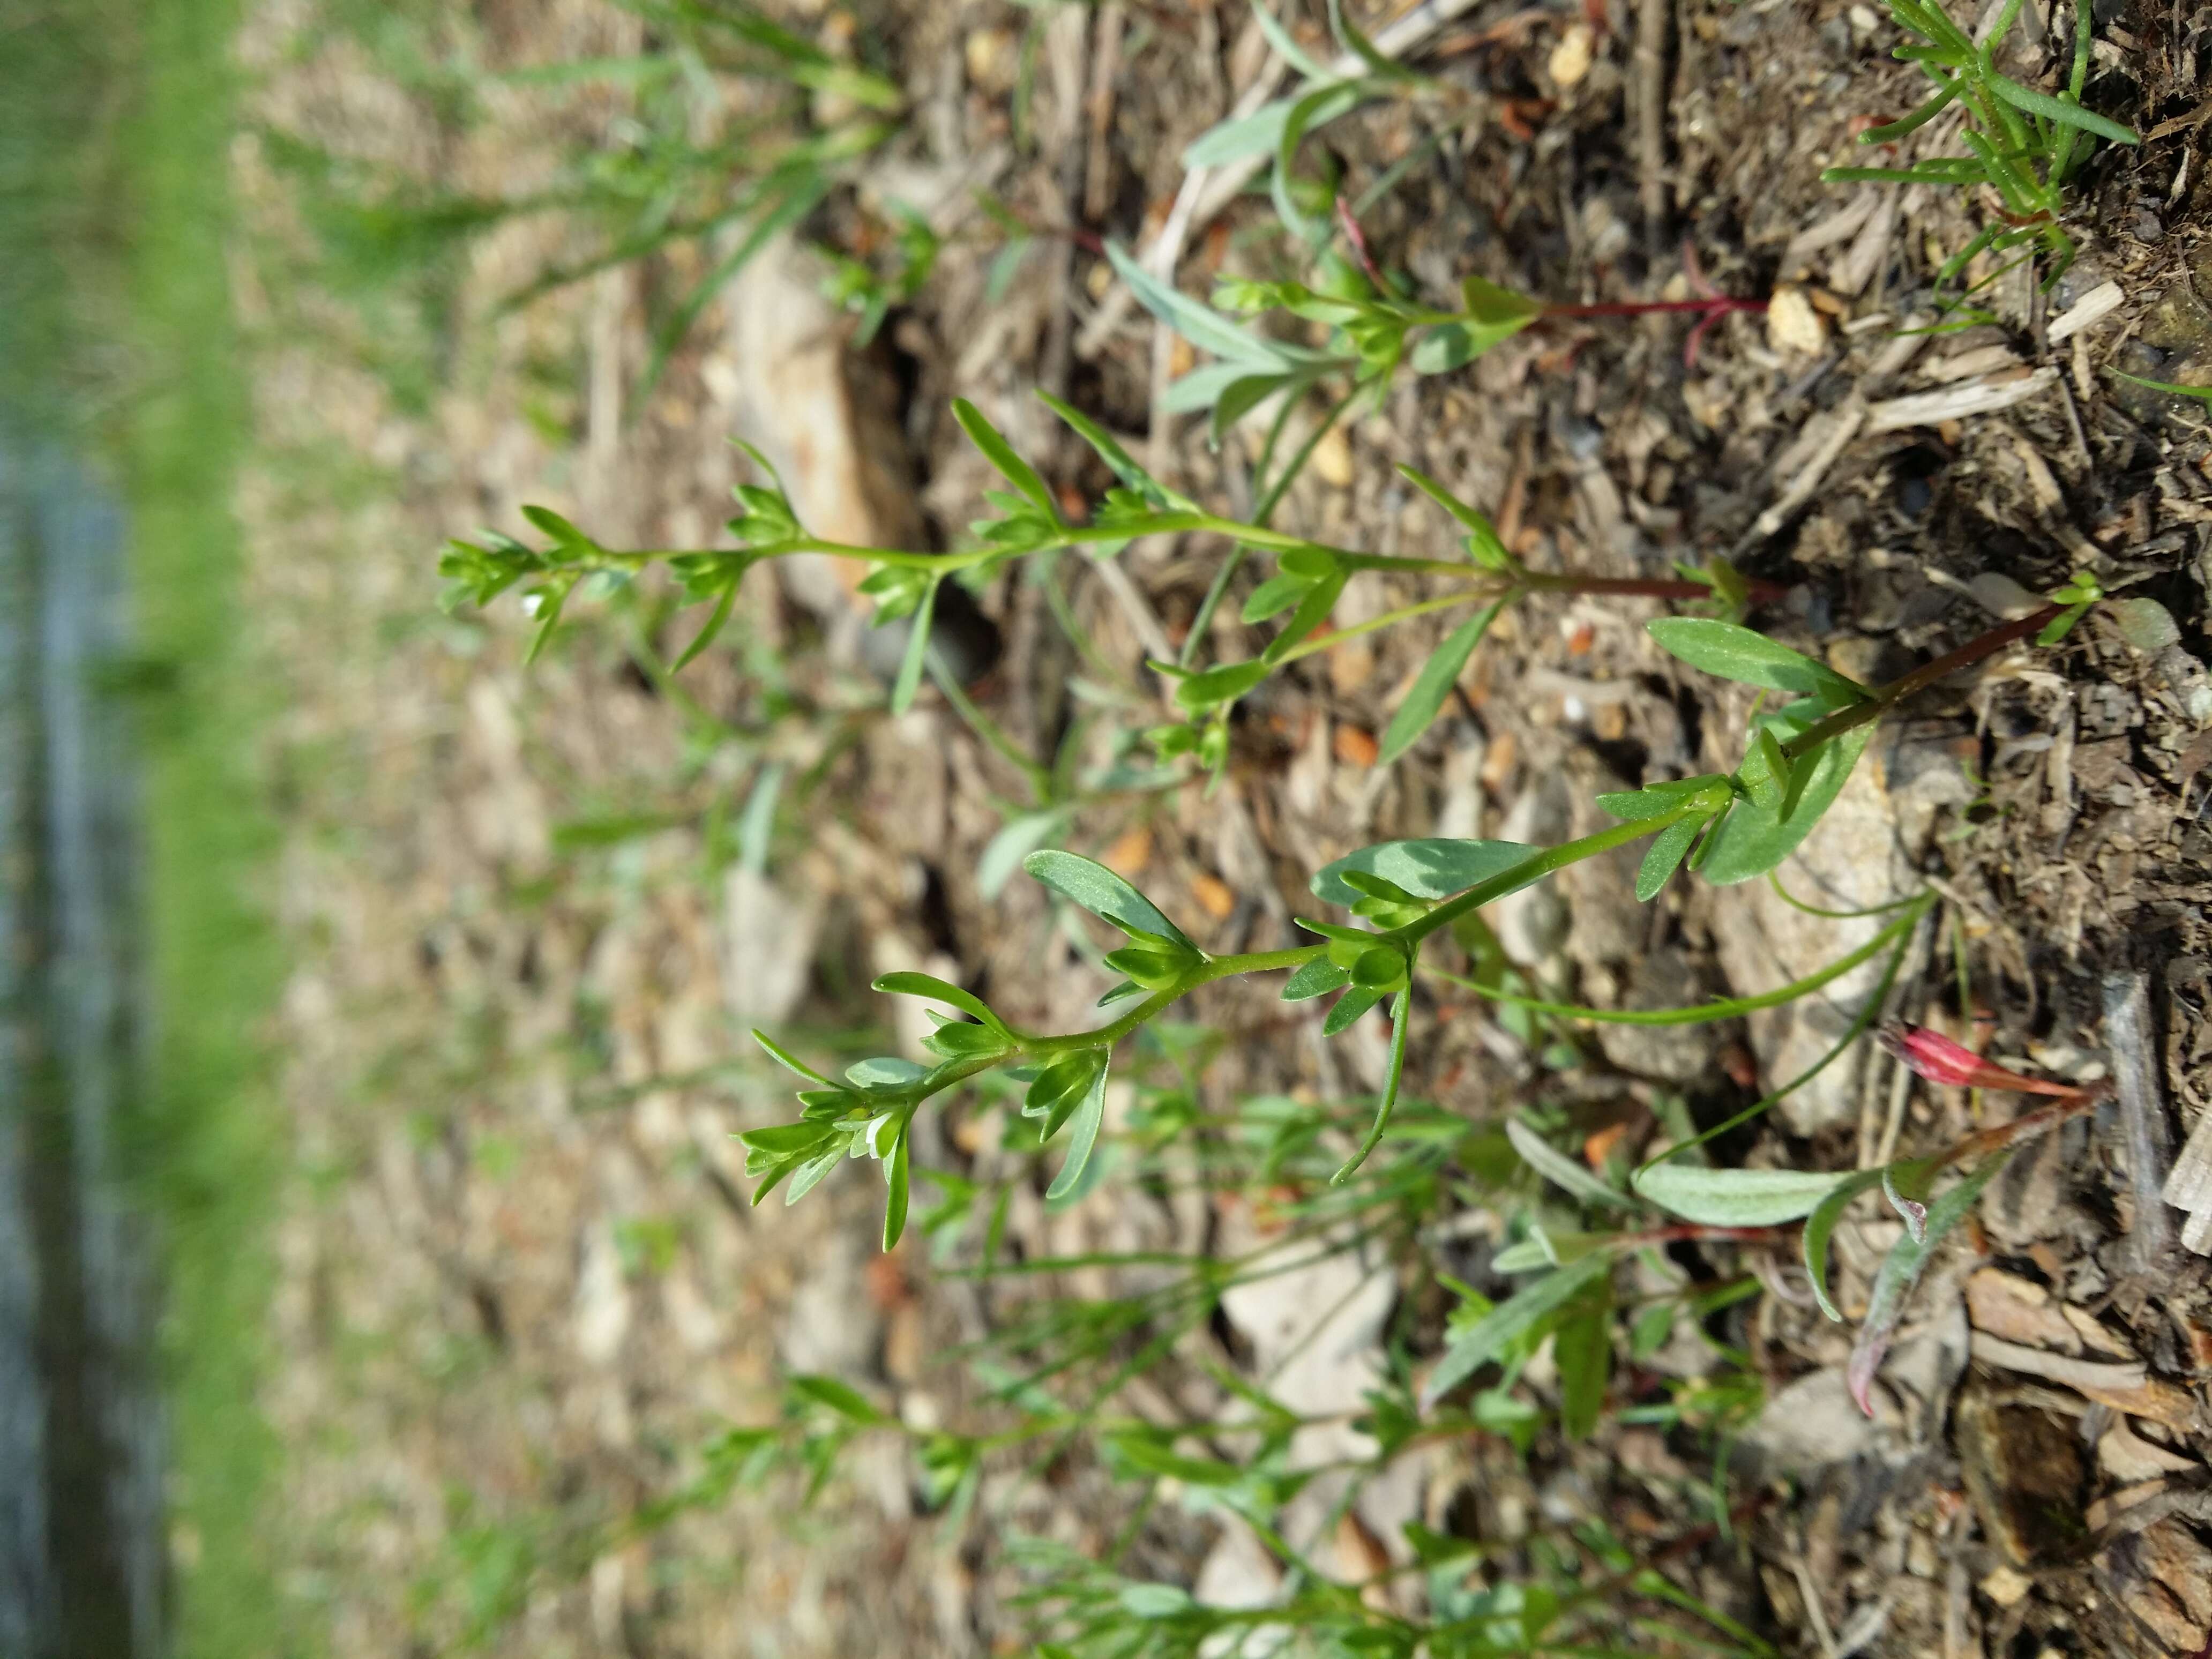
(1967, 364)
(2124, 1388)
(1955, 403)
(2127, 1455)
(2128, 1033)
(2189, 1186)
(2016, 1309)
(2097, 304)
(1837, 227)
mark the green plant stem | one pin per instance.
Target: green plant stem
(1317, 642)
(1262, 510)
(1727, 1008)
(1641, 587)
(1536, 867)
(1038, 775)
(1171, 524)
(1884, 696)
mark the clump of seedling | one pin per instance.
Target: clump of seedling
(810, 119)
(2024, 144)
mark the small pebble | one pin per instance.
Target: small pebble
(1793, 324)
(993, 60)
(1572, 59)
(1332, 458)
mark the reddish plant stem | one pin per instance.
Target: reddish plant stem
(1358, 238)
(1717, 305)
(1986, 645)
(2028, 1127)
(1690, 1233)
(1648, 587)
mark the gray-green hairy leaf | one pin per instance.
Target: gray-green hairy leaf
(1736, 1198)
(1430, 869)
(1733, 652)
(1490, 1335)
(1556, 1167)
(1100, 892)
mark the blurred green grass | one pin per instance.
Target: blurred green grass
(116, 120)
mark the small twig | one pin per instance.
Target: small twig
(1206, 191)
(1650, 68)
(1358, 238)
(1150, 633)
(2129, 1038)
(1105, 70)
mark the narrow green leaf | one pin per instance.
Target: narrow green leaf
(1202, 387)
(565, 534)
(1082, 1137)
(790, 1062)
(1490, 1335)
(1900, 1272)
(1285, 47)
(1752, 840)
(1102, 892)
(1356, 1001)
(1769, 782)
(1003, 854)
(1240, 398)
(1556, 1167)
(705, 636)
(895, 1205)
(1273, 597)
(1477, 524)
(1582, 1350)
(1199, 324)
(2202, 393)
(1000, 454)
(1226, 684)
(885, 1072)
(1364, 49)
(1735, 653)
(1434, 686)
(1317, 978)
(2067, 114)
(1654, 799)
(839, 1397)
(808, 1176)
(917, 647)
(1664, 856)
(1821, 1225)
(548, 621)
(1312, 110)
(1313, 610)
(1430, 869)
(1123, 465)
(1919, 117)
(1401, 1009)
(908, 984)
(1492, 306)
(1378, 969)
(786, 1140)
(1543, 1250)
(1737, 1198)
(1256, 134)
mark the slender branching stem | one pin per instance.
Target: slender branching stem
(1885, 696)
(1713, 305)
